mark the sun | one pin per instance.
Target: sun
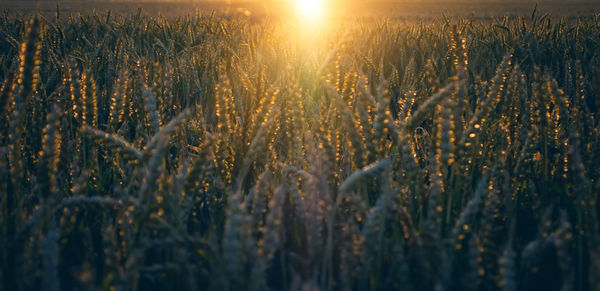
(311, 10)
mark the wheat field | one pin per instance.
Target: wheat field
(216, 153)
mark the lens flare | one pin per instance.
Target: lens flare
(310, 10)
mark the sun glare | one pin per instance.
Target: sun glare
(310, 10)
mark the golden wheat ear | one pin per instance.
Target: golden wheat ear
(51, 147)
(113, 141)
(30, 60)
(161, 138)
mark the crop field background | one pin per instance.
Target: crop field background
(391, 149)
(391, 9)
